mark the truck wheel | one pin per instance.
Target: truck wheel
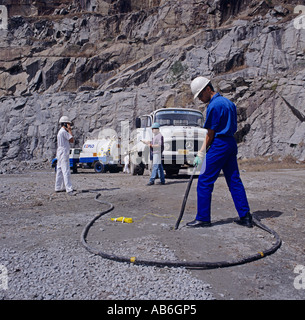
(99, 167)
(140, 170)
(74, 168)
(137, 169)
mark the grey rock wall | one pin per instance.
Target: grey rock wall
(106, 66)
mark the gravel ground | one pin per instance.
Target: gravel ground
(51, 273)
(41, 248)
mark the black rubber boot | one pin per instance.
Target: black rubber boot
(245, 221)
(198, 224)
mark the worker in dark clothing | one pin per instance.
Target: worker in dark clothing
(221, 124)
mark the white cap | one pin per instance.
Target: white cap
(198, 84)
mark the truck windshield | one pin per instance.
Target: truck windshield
(179, 118)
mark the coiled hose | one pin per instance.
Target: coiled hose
(186, 264)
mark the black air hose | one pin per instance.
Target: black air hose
(187, 264)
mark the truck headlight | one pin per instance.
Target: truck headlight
(167, 146)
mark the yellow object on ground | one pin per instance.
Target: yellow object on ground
(122, 219)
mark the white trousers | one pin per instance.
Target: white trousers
(63, 173)
(126, 168)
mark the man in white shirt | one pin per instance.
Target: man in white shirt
(63, 174)
(156, 145)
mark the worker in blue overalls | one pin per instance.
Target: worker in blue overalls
(221, 124)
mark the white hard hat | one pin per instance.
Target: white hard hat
(198, 84)
(64, 119)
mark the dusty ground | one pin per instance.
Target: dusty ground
(33, 215)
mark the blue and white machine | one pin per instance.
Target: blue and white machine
(101, 155)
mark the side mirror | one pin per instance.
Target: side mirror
(138, 123)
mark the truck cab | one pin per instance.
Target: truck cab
(183, 134)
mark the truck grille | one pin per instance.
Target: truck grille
(186, 144)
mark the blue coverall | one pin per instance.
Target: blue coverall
(222, 118)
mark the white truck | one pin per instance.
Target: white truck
(102, 155)
(183, 134)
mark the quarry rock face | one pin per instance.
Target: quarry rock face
(103, 62)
